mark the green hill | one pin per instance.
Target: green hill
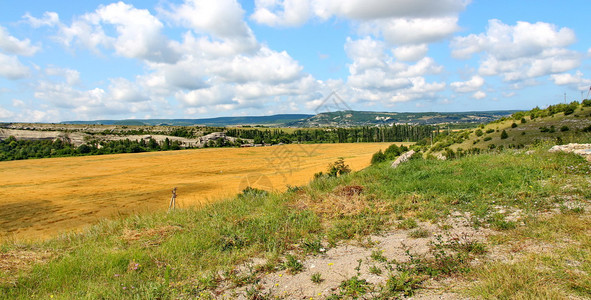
(550, 125)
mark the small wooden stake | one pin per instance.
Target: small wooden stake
(172, 200)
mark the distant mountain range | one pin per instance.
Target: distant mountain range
(220, 121)
(328, 119)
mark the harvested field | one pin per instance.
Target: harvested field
(44, 197)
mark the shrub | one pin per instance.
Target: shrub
(338, 168)
(479, 132)
(586, 102)
(490, 130)
(523, 121)
(488, 138)
(378, 157)
(513, 125)
(564, 128)
(252, 192)
(504, 134)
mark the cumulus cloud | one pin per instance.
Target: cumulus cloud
(472, 85)
(139, 33)
(377, 9)
(412, 31)
(377, 76)
(520, 52)
(12, 68)
(72, 76)
(507, 42)
(281, 13)
(479, 95)
(12, 45)
(49, 18)
(5, 114)
(120, 97)
(575, 80)
(203, 16)
(410, 52)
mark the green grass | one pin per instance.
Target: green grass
(182, 254)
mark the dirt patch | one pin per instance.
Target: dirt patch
(371, 259)
(342, 201)
(150, 237)
(13, 262)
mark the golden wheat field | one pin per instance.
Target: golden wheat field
(44, 197)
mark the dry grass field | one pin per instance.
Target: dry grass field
(44, 197)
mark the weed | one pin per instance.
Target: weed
(407, 224)
(403, 284)
(292, 264)
(378, 255)
(313, 246)
(316, 278)
(375, 270)
(354, 287)
(419, 233)
(498, 222)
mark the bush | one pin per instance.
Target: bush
(564, 128)
(504, 134)
(513, 125)
(378, 157)
(490, 130)
(523, 121)
(479, 132)
(338, 168)
(486, 139)
(586, 103)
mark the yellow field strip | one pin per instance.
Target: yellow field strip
(44, 197)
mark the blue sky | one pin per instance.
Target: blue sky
(89, 60)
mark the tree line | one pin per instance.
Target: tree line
(394, 133)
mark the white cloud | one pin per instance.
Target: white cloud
(410, 52)
(12, 68)
(121, 97)
(412, 31)
(72, 76)
(50, 19)
(507, 42)
(377, 77)
(423, 67)
(399, 22)
(18, 103)
(267, 66)
(123, 90)
(472, 85)
(575, 80)
(5, 114)
(205, 16)
(12, 45)
(281, 12)
(520, 52)
(479, 95)
(377, 9)
(295, 13)
(139, 33)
